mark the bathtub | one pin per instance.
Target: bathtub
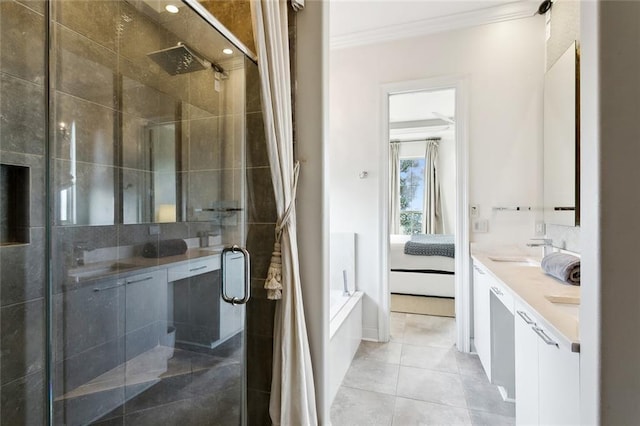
(345, 331)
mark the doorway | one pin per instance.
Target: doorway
(425, 128)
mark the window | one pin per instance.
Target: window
(411, 195)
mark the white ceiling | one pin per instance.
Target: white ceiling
(350, 16)
(358, 22)
(421, 105)
(415, 107)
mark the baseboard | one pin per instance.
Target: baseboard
(424, 305)
(371, 334)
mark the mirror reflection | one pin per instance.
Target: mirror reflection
(141, 122)
(561, 141)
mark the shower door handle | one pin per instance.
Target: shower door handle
(228, 256)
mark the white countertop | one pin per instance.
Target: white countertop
(532, 286)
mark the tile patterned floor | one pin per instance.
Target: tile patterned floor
(418, 378)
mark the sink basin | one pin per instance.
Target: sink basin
(93, 271)
(515, 260)
(560, 298)
(568, 304)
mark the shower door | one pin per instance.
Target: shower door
(147, 172)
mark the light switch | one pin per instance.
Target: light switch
(481, 226)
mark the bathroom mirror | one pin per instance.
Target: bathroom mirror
(156, 139)
(150, 192)
(562, 140)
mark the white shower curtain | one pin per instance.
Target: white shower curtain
(394, 188)
(432, 222)
(293, 400)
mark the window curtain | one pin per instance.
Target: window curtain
(432, 222)
(293, 400)
(394, 190)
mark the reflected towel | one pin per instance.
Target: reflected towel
(563, 266)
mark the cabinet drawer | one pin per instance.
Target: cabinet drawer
(192, 268)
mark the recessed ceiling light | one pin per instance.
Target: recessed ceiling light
(227, 51)
(172, 8)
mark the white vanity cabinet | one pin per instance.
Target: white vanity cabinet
(482, 316)
(547, 374)
(527, 389)
(493, 329)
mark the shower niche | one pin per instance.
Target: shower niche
(14, 204)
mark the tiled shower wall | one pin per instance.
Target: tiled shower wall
(260, 239)
(22, 130)
(22, 266)
(261, 228)
(105, 85)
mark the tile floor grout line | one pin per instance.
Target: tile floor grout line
(367, 390)
(441, 404)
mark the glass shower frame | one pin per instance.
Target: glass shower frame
(87, 253)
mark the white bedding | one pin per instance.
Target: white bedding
(416, 283)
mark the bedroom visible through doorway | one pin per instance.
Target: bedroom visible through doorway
(422, 201)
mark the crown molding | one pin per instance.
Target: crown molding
(490, 15)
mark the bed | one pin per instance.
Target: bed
(430, 273)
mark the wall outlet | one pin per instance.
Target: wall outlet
(480, 226)
(540, 229)
(474, 210)
(154, 230)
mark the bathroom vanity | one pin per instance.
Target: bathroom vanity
(155, 310)
(527, 337)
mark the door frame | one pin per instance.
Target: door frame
(462, 260)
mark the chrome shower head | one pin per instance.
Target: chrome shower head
(179, 59)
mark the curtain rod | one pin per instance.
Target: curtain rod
(416, 140)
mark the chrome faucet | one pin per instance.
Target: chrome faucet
(545, 243)
(346, 291)
(78, 252)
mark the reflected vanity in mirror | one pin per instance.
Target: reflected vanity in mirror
(562, 140)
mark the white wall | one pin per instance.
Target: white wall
(504, 64)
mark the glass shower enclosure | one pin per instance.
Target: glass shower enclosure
(122, 178)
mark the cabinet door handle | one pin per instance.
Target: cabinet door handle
(198, 268)
(480, 271)
(548, 340)
(140, 280)
(119, 284)
(525, 317)
(497, 291)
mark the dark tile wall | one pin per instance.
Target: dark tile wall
(112, 92)
(260, 239)
(22, 266)
(109, 95)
